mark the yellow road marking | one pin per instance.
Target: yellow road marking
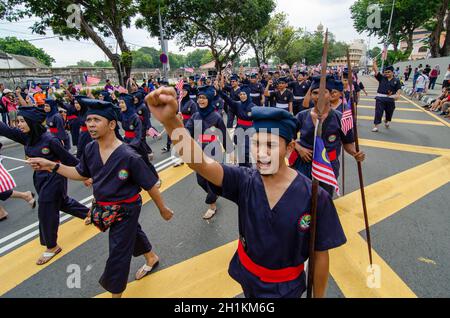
(348, 264)
(202, 276)
(397, 108)
(407, 121)
(19, 265)
(404, 147)
(206, 275)
(446, 123)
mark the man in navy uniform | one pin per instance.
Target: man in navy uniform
(119, 173)
(388, 92)
(299, 88)
(283, 97)
(256, 91)
(233, 91)
(274, 204)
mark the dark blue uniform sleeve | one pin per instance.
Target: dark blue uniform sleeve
(64, 156)
(83, 167)
(231, 103)
(58, 122)
(147, 123)
(14, 134)
(141, 173)
(233, 184)
(226, 138)
(290, 97)
(379, 77)
(138, 130)
(329, 233)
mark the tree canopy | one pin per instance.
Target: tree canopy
(13, 45)
(222, 26)
(409, 15)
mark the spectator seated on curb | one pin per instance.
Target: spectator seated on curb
(438, 103)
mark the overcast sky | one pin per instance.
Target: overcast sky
(333, 14)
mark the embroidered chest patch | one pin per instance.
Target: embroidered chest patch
(45, 151)
(123, 174)
(304, 222)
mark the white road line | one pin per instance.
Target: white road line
(159, 167)
(12, 158)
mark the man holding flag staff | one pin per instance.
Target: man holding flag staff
(388, 92)
(335, 133)
(274, 204)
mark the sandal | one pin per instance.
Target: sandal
(46, 257)
(209, 214)
(32, 202)
(145, 270)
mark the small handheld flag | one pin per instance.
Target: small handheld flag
(321, 165)
(347, 120)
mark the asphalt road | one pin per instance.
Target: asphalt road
(406, 174)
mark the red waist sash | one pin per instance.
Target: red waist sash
(269, 275)
(130, 200)
(245, 123)
(83, 128)
(72, 117)
(53, 130)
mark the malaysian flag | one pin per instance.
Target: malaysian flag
(6, 180)
(347, 120)
(321, 165)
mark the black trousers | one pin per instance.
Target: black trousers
(387, 107)
(126, 239)
(6, 195)
(211, 197)
(48, 214)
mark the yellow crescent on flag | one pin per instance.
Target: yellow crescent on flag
(324, 156)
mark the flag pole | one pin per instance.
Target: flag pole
(388, 34)
(360, 174)
(319, 108)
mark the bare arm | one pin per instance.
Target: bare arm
(163, 105)
(351, 150)
(321, 270)
(375, 67)
(65, 171)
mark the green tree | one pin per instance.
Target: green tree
(142, 60)
(409, 15)
(103, 64)
(264, 41)
(197, 57)
(13, 45)
(98, 20)
(84, 63)
(222, 26)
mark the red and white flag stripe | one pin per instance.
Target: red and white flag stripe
(6, 180)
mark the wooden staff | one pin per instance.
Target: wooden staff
(361, 180)
(343, 170)
(319, 107)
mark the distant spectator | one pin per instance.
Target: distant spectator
(397, 72)
(8, 101)
(72, 90)
(434, 74)
(416, 75)
(3, 109)
(421, 84)
(405, 73)
(446, 82)
(427, 70)
(108, 86)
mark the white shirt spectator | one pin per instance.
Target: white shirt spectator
(422, 81)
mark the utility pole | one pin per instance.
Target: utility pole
(164, 45)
